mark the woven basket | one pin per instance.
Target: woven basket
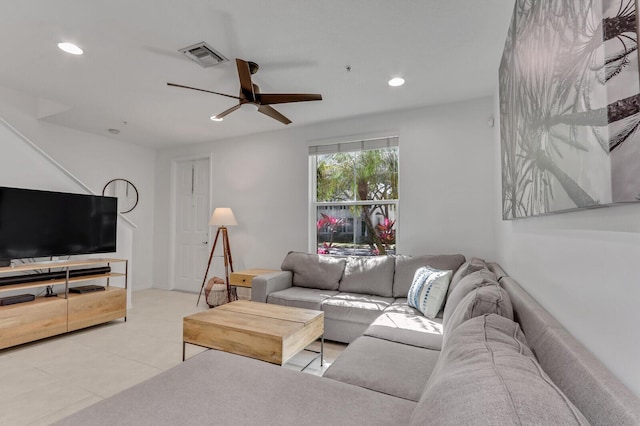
(215, 292)
(217, 295)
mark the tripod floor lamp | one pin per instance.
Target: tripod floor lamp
(221, 217)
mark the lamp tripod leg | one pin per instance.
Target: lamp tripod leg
(228, 261)
(204, 280)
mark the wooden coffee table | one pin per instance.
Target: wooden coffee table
(271, 333)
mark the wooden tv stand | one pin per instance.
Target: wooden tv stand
(49, 316)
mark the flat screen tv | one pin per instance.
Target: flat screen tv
(43, 223)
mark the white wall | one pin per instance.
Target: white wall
(583, 268)
(446, 170)
(93, 159)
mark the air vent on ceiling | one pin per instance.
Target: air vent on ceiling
(204, 55)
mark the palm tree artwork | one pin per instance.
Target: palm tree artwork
(569, 106)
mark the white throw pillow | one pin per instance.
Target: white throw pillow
(429, 290)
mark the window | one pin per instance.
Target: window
(355, 197)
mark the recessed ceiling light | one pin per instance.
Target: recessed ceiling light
(70, 48)
(214, 118)
(397, 81)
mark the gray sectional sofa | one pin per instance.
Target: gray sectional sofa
(493, 357)
(352, 291)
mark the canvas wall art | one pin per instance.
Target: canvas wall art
(569, 106)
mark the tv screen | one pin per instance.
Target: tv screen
(42, 223)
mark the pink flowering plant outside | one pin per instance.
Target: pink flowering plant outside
(386, 232)
(332, 224)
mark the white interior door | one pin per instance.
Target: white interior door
(192, 224)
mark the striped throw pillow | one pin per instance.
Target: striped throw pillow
(429, 290)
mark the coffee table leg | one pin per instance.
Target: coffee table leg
(183, 346)
(321, 350)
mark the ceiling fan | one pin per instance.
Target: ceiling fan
(250, 94)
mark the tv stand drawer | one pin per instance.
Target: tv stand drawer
(89, 309)
(25, 322)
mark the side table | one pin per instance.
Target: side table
(244, 278)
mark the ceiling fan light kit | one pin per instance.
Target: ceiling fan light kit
(249, 107)
(250, 97)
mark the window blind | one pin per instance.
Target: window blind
(363, 145)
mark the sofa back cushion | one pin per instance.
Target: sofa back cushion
(465, 286)
(489, 299)
(313, 270)
(487, 373)
(369, 275)
(470, 266)
(406, 267)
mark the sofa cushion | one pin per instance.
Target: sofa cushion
(360, 308)
(407, 328)
(406, 268)
(486, 372)
(467, 284)
(400, 305)
(219, 388)
(300, 297)
(470, 266)
(343, 331)
(384, 366)
(313, 270)
(490, 299)
(368, 275)
(428, 290)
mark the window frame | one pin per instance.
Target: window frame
(317, 150)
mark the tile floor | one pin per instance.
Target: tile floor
(44, 381)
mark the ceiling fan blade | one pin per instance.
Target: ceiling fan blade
(244, 74)
(283, 98)
(271, 112)
(228, 111)
(202, 90)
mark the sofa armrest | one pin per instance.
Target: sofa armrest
(262, 285)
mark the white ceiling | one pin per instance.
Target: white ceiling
(446, 50)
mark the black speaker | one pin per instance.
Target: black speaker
(56, 275)
(18, 298)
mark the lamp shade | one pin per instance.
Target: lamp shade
(222, 216)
